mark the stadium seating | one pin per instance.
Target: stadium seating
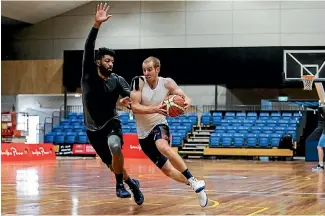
(251, 129)
(72, 130)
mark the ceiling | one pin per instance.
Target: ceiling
(36, 11)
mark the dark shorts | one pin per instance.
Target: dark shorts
(148, 144)
(99, 138)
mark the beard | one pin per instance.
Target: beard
(104, 71)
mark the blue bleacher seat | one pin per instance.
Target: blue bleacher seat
(57, 129)
(124, 116)
(59, 139)
(220, 129)
(251, 116)
(271, 123)
(70, 139)
(242, 129)
(260, 123)
(283, 123)
(133, 129)
(231, 129)
(263, 140)
(226, 139)
(82, 139)
(49, 138)
(286, 116)
(176, 139)
(275, 115)
(219, 114)
(126, 129)
(239, 139)
(256, 130)
(188, 124)
(267, 130)
(236, 122)
(275, 140)
(182, 118)
(206, 118)
(225, 122)
(229, 115)
(240, 115)
(216, 120)
(182, 130)
(193, 118)
(280, 130)
(214, 140)
(251, 140)
(175, 122)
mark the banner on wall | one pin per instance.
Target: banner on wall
(27, 152)
(131, 147)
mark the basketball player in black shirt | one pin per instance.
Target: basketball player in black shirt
(100, 92)
(321, 142)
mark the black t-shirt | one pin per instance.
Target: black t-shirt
(99, 97)
(321, 117)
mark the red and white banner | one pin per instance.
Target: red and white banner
(131, 147)
(27, 152)
(84, 149)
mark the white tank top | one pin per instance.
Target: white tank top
(151, 97)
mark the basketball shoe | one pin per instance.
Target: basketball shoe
(318, 168)
(198, 186)
(121, 192)
(137, 194)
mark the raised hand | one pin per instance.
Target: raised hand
(101, 14)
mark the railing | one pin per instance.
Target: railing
(253, 108)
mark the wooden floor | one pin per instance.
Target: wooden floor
(86, 187)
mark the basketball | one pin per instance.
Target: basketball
(174, 105)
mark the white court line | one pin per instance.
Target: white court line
(173, 189)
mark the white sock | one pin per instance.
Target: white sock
(321, 164)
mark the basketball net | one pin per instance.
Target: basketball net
(308, 82)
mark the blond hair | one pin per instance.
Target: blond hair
(156, 61)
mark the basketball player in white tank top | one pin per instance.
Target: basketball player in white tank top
(149, 91)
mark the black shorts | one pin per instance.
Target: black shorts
(99, 138)
(149, 147)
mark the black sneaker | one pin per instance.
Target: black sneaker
(318, 168)
(137, 194)
(121, 191)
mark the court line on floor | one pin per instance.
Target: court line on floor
(258, 211)
(170, 189)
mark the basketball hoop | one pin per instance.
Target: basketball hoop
(308, 81)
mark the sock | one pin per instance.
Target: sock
(187, 174)
(119, 178)
(321, 164)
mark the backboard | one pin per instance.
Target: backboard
(297, 63)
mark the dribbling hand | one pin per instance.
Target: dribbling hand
(187, 103)
(161, 109)
(101, 14)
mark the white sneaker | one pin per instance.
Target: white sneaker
(318, 168)
(198, 186)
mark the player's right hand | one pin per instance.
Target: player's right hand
(101, 14)
(161, 109)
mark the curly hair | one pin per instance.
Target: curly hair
(104, 51)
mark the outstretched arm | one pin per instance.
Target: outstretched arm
(89, 50)
(124, 91)
(137, 108)
(174, 89)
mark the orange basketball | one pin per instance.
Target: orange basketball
(174, 105)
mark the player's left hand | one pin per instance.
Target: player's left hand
(187, 103)
(126, 101)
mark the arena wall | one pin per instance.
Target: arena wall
(173, 24)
